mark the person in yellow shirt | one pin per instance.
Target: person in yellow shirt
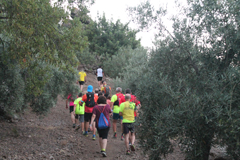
(127, 112)
(82, 78)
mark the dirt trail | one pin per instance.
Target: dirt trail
(52, 137)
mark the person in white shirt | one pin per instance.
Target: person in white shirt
(100, 75)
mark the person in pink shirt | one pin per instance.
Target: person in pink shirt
(70, 103)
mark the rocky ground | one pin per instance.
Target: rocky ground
(52, 137)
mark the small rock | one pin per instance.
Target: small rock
(51, 158)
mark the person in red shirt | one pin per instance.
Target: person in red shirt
(90, 100)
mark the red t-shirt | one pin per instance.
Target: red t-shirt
(89, 109)
(133, 99)
(97, 110)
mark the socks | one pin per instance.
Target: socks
(103, 150)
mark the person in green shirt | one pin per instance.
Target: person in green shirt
(115, 101)
(79, 111)
(127, 112)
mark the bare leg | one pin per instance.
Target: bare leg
(132, 138)
(127, 140)
(114, 125)
(82, 126)
(104, 144)
(100, 143)
(72, 117)
(81, 87)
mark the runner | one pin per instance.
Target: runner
(127, 111)
(90, 100)
(115, 107)
(79, 111)
(100, 75)
(71, 106)
(104, 108)
(96, 91)
(106, 89)
(82, 78)
(133, 99)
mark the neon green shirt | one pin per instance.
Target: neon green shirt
(127, 108)
(79, 109)
(115, 107)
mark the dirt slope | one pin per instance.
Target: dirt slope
(52, 137)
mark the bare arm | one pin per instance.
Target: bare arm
(67, 103)
(120, 114)
(111, 105)
(74, 109)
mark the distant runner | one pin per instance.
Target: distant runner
(82, 78)
(79, 111)
(127, 111)
(104, 108)
(115, 101)
(90, 100)
(100, 75)
(106, 89)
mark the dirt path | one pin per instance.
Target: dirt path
(52, 137)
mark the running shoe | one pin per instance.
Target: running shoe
(122, 137)
(128, 152)
(93, 137)
(115, 135)
(132, 147)
(78, 127)
(104, 154)
(85, 134)
(74, 125)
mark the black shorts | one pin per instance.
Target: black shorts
(71, 108)
(128, 127)
(99, 78)
(81, 82)
(103, 133)
(87, 117)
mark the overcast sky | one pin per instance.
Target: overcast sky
(117, 10)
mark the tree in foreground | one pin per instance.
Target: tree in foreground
(38, 60)
(191, 81)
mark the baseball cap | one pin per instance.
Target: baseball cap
(90, 88)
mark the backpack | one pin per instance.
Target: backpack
(102, 121)
(106, 90)
(118, 101)
(90, 100)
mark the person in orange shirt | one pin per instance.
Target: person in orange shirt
(90, 100)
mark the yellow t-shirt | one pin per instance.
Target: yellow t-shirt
(82, 75)
(127, 108)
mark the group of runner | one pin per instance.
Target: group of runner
(93, 111)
